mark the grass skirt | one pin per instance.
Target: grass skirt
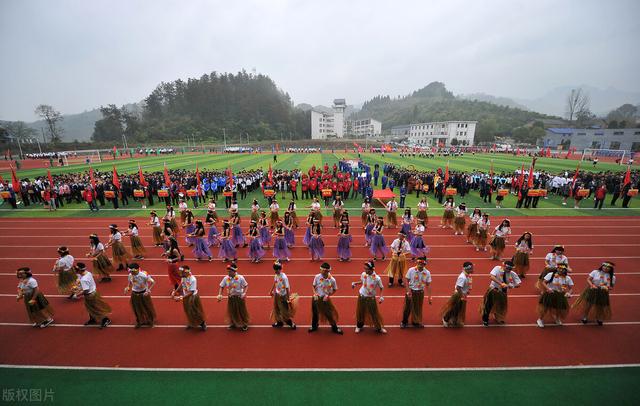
(397, 267)
(414, 305)
(326, 310)
(255, 249)
(554, 304)
(392, 218)
(422, 215)
(280, 249)
(378, 246)
(192, 306)
(157, 235)
(344, 246)
(237, 314)
(237, 238)
(418, 247)
(497, 243)
(143, 308)
(448, 215)
(265, 236)
(455, 310)
(201, 249)
(213, 238)
(255, 216)
(459, 223)
(472, 232)
(521, 262)
(189, 229)
(367, 312)
(284, 310)
(66, 279)
(102, 266)
(96, 306)
(227, 250)
(40, 311)
(316, 247)
(364, 217)
(499, 303)
(289, 237)
(481, 239)
(174, 226)
(136, 246)
(594, 303)
(119, 252)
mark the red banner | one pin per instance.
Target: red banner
(167, 179)
(143, 181)
(14, 180)
(115, 181)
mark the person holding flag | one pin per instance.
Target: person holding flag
(626, 186)
(519, 184)
(572, 186)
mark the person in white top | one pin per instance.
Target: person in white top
(460, 222)
(483, 233)
(39, 311)
(366, 206)
(236, 286)
(97, 308)
(594, 302)
(284, 303)
(154, 222)
(182, 208)
(140, 284)
(398, 265)
(64, 268)
(367, 308)
(454, 312)
(119, 253)
(502, 278)
(315, 208)
(472, 230)
(448, 214)
(274, 213)
(188, 295)
(338, 205)
(423, 207)
(392, 217)
(524, 248)
(324, 286)
(553, 300)
(418, 278)
(498, 242)
(551, 262)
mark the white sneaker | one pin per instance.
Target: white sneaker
(564, 203)
(540, 323)
(444, 323)
(558, 322)
(358, 329)
(383, 331)
(478, 249)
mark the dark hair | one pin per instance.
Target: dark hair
(529, 241)
(502, 223)
(94, 240)
(467, 264)
(26, 270)
(132, 225)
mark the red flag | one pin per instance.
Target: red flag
(446, 175)
(115, 150)
(93, 180)
(14, 180)
(548, 152)
(520, 182)
(1, 179)
(115, 181)
(230, 176)
(575, 177)
(270, 174)
(167, 179)
(50, 178)
(143, 182)
(491, 174)
(530, 180)
(355, 145)
(198, 178)
(627, 177)
(569, 151)
(494, 148)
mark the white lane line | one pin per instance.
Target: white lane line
(431, 259)
(355, 246)
(448, 369)
(13, 295)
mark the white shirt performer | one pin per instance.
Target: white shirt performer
(495, 298)
(236, 286)
(397, 267)
(367, 308)
(553, 300)
(418, 278)
(454, 312)
(140, 284)
(188, 295)
(284, 303)
(322, 308)
(97, 308)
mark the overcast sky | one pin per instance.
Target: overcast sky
(78, 55)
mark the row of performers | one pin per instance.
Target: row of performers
(555, 285)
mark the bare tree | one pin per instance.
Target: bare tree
(20, 130)
(52, 118)
(578, 104)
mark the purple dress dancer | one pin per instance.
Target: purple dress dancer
(368, 230)
(344, 241)
(213, 239)
(316, 246)
(227, 250)
(265, 235)
(190, 229)
(418, 247)
(256, 253)
(280, 249)
(289, 235)
(378, 246)
(406, 229)
(238, 237)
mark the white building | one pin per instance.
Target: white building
(443, 133)
(333, 125)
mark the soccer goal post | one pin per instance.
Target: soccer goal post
(592, 153)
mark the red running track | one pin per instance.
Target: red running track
(519, 343)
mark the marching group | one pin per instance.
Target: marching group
(554, 282)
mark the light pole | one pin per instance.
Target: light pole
(38, 141)
(224, 133)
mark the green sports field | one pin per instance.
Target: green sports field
(592, 386)
(501, 162)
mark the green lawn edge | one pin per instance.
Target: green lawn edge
(588, 386)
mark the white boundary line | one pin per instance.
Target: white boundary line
(449, 369)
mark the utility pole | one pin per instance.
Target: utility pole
(38, 141)
(44, 140)
(224, 132)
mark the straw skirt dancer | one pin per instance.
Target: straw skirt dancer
(191, 303)
(553, 300)
(524, 248)
(119, 253)
(594, 303)
(66, 275)
(366, 307)
(284, 302)
(472, 229)
(236, 285)
(140, 284)
(158, 239)
(397, 267)
(137, 248)
(502, 278)
(455, 310)
(418, 278)
(460, 221)
(39, 310)
(322, 308)
(102, 266)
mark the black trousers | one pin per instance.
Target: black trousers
(598, 204)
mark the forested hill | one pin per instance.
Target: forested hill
(435, 103)
(201, 108)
